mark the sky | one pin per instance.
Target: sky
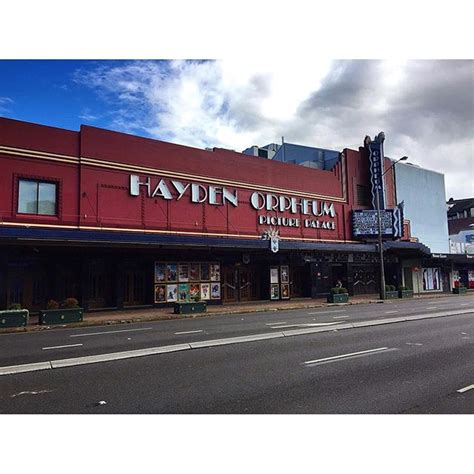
(425, 107)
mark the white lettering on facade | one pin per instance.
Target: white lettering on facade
(181, 188)
(219, 196)
(198, 193)
(162, 190)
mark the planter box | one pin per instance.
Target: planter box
(61, 316)
(14, 318)
(459, 291)
(405, 293)
(391, 295)
(339, 298)
(188, 308)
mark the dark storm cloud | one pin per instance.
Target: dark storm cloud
(348, 85)
(436, 99)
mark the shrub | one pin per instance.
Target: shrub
(343, 290)
(402, 288)
(52, 304)
(334, 291)
(15, 306)
(70, 303)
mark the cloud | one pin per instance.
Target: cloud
(4, 103)
(87, 116)
(425, 108)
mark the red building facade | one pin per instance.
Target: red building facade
(108, 218)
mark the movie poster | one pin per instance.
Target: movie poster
(205, 272)
(215, 291)
(215, 272)
(470, 279)
(284, 274)
(431, 279)
(171, 272)
(160, 293)
(194, 291)
(273, 275)
(285, 291)
(274, 292)
(183, 272)
(171, 293)
(159, 272)
(183, 292)
(205, 291)
(194, 271)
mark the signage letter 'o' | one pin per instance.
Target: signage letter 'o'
(257, 200)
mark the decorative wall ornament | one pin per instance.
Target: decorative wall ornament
(273, 235)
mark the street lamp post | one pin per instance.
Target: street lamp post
(379, 222)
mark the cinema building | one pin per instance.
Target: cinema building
(120, 221)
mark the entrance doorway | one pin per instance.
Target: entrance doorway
(240, 283)
(365, 281)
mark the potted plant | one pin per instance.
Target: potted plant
(14, 316)
(404, 292)
(390, 292)
(68, 312)
(338, 295)
(195, 305)
(459, 288)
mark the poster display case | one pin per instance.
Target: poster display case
(186, 281)
(280, 282)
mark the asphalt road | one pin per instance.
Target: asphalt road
(22, 348)
(409, 367)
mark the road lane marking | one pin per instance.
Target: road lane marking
(109, 332)
(16, 369)
(339, 317)
(345, 356)
(431, 307)
(464, 304)
(180, 347)
(276, 322)
(390, 312)
(61, 347)
(189, 332)
(304, 325)
(235, 340)
(39, 392)
(331, 311)
(413, 343)
(465, 389)
(117, 356)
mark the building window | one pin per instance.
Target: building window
(36, 197)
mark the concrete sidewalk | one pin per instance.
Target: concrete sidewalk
(100, 318)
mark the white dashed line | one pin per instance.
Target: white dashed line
(276, 322)
(390, 312)
(304, 325)
(331, 311)
(61, 347)
(109, 332)
(413, 343)
(189, 332)
(346, 356)
(465, 389)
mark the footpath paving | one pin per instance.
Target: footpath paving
(101, 318)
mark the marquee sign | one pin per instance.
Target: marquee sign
(365, 223)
